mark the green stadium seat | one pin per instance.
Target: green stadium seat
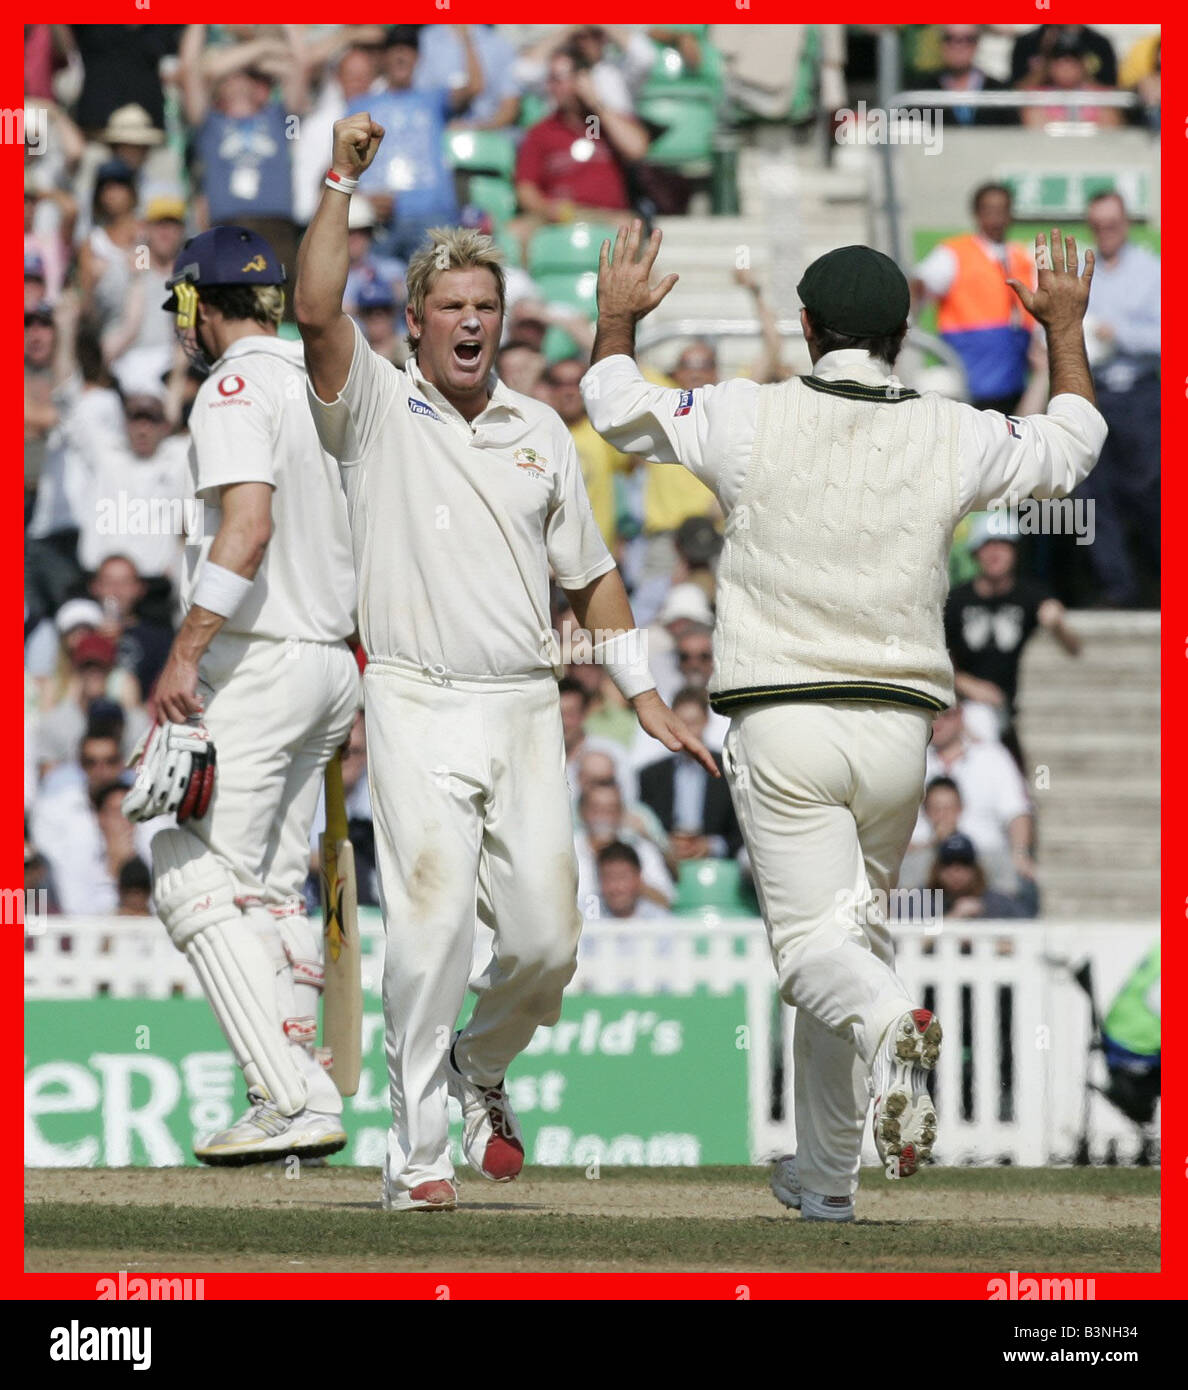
(710, 886)
(558, 345)
(495, 196)
(567, 247)
(290, 331)
(671, 77)
(578, 291)
(513, 252)
(533, 108)
(687, 137)
(481, 152)
(808, 77)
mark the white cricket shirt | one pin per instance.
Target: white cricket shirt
(250, 424)
(455, 523)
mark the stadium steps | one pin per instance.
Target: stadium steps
(793, 210)
(1093, 721)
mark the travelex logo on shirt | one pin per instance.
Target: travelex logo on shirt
(422, 408)
(684, 404)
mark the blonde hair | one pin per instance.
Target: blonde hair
(270, 304)
(263, 303)
(450, 248)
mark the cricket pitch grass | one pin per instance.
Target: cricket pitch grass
(558, 1219)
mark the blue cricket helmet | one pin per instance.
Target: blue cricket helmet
(220, 256)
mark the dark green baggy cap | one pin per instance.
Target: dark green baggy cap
(857, 291)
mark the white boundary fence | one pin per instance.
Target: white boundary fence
(1012, 1081)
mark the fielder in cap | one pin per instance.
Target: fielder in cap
(841, 491)
(261, 672)
(462, 494)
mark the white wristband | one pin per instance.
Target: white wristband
(342, 183)
(625, 659)
(220, 590)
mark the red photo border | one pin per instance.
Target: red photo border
(1170, 1282)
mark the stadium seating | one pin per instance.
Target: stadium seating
(685, 104)
(707, 886)
(686, 140)
(533, 108)
(481, 152)
(495, 196)
(574, 291)
(671, 76)
(567, 248)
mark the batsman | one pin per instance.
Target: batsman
(841, 491)
(260, 673)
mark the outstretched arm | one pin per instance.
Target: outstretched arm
(624, 296)
(604, 610)
(1059, 301)
(323, 261)
(1043, 455)
(710, 430)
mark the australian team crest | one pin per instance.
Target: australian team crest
(530, 461)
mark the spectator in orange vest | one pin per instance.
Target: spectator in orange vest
(978, 312)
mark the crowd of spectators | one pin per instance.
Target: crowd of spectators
(1052, 59)
(154, 132)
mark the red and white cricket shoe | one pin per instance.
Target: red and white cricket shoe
(904, 1115)
(492, 1139)
(436, 1195)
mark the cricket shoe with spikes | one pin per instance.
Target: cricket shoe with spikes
(491, 1136)
(904, 1115)
(266, 1134)
(812, 1206)
(439, 1194)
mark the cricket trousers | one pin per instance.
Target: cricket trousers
(276, 712)
(827, 795)
(472, 820)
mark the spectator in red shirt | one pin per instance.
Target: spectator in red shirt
(572, 166)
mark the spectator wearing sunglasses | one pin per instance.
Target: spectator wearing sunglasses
(960, 73)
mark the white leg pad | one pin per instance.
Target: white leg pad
(246, 982)
(303, 946)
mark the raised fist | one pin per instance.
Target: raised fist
(356, 140)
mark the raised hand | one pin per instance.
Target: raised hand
(356, 140)
(623, 290)
(1061, 295)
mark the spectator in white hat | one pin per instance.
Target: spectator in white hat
(685, 606)
(131, 135)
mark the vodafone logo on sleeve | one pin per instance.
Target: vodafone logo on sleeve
(229, 388)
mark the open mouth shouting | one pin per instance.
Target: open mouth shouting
(467, 354)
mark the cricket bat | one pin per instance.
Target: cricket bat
(342, 996)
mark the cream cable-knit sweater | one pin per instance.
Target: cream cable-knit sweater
(833, 578)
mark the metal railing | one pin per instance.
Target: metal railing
(914, 97)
